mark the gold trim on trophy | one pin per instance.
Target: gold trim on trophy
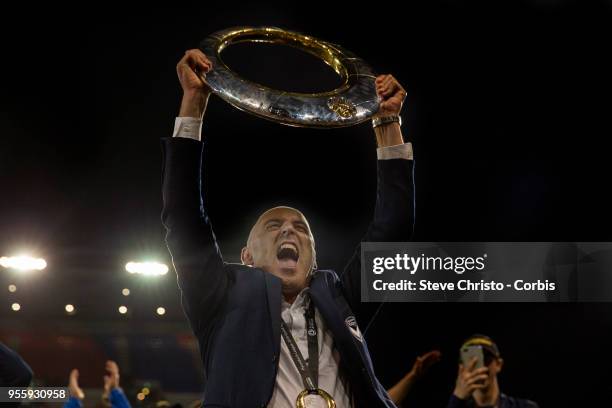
(353, 101)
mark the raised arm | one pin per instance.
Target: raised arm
(421, 365)
(189, 235)
(76, 392)
(394, 212)
(112, 390)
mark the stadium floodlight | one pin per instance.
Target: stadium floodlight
(161, 311)
(16, 307)
(147, 268)
(69, 308)
(23, 263)
(123, 309)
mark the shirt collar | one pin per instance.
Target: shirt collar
(302, 300)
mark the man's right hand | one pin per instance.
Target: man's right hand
(192, 70)
(470, 379)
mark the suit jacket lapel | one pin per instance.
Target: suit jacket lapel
(324, 302)
(273, 287)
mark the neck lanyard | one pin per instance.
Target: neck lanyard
(308, 371)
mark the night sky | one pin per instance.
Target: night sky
(508, 110)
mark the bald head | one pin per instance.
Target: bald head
(282, 244)
(274, 212)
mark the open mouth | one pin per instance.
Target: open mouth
(288, 254)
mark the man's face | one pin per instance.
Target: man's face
(281, 243)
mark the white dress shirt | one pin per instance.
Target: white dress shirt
(288, 380)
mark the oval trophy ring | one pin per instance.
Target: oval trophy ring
(353, 102)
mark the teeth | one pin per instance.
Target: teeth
(288, 250)
(289, 245)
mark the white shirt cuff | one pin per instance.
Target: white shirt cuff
(187, 127)
(403, 151)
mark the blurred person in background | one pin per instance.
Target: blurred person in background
(479, 387)
(112, 395)
(421, 365)
(14, 371)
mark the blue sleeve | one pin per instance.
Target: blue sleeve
(14, 372)
(118, 399)
(73, 402)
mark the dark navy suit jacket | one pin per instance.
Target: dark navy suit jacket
(235, 310)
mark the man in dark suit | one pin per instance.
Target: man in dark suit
(260, 323)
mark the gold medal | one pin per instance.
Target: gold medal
(301, 399)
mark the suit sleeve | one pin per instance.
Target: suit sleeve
(197, 260)
(393, 220)
(14, 372)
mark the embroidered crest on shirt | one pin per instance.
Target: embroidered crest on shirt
(351, 323)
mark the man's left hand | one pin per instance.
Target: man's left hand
(391, 95)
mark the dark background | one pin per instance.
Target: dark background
(508, 111)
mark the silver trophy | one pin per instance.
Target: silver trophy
(353, 102)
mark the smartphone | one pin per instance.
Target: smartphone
(468, 353)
